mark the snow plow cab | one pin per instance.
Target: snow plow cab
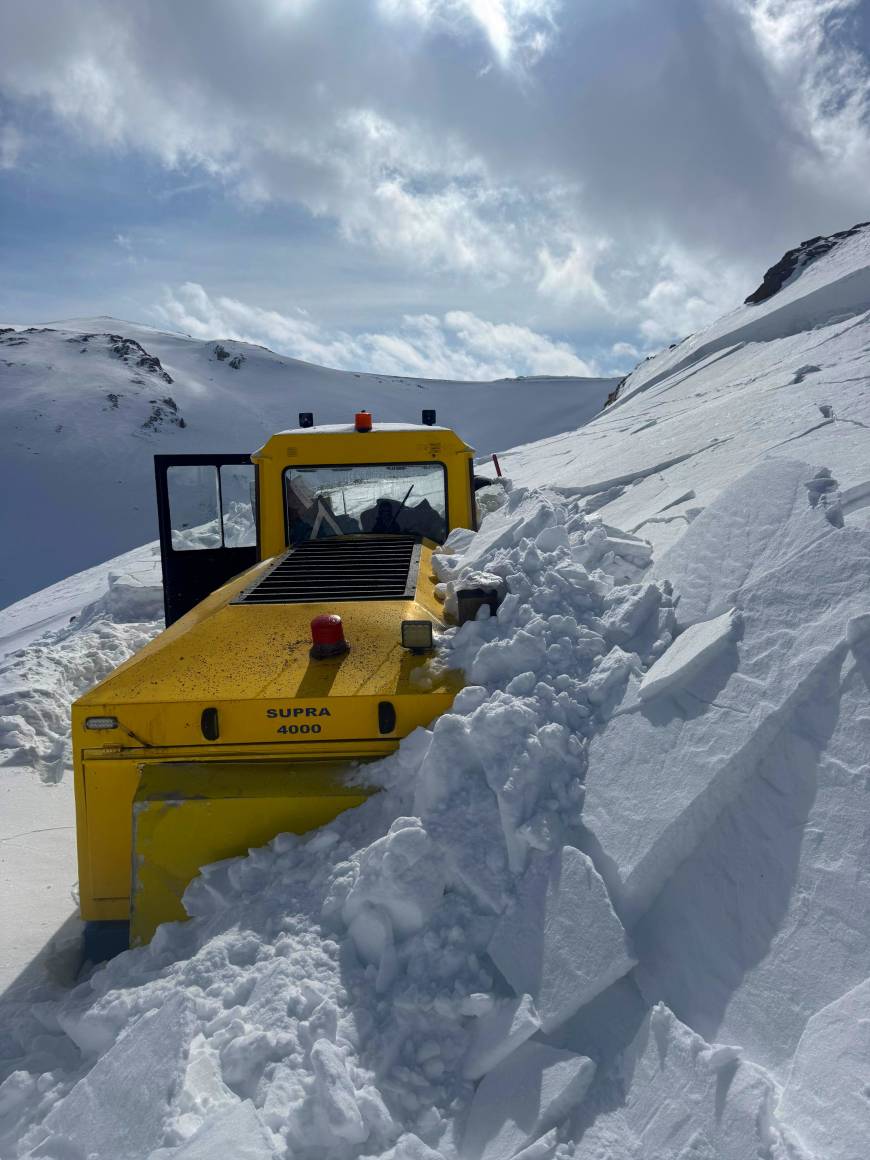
(300, 609)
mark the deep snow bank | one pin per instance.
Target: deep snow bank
(40, 680)
(406, 981)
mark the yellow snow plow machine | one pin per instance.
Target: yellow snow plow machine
(300, 604)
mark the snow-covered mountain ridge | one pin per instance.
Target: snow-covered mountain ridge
(86, 403)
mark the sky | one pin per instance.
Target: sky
(458, 188)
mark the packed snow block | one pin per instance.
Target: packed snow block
(691, 652)
(402, 873)
(660, 774)
(516, 1103)
(117, 1111)
(612, 671)
(460, 812)
(411, 1147)
(129, 598)
(826, 1101)
(627, 610)
(338, 1113)
(498, 1032)
(561, 942)
(685, 1098)
(751, 526)
(237, 1132)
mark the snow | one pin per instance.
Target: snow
(235, 1131)
(613, 904)
(660, 775)
(499, 1030)
(54, 607)
(691, 652)
(37, 882)
(684, 1098)
(755, 964)
(825, 1099)
(519, 1100)
(116, 1111)
(560, 942)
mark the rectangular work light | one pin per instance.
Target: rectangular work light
(417, 635)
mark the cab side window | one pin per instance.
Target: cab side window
(211, 507)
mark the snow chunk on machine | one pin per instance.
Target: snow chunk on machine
(300, 604)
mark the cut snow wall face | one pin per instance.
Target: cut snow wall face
(683, 1098)
(753, 525)
(767, 921)
(826, 1101)
(659, 774)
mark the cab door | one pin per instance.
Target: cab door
(207, 516)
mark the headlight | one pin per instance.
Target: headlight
(101, 722)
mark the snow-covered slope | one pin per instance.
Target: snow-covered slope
(613, 905)
(85, 404)
(750, 387)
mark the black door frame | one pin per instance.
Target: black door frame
(191, 575)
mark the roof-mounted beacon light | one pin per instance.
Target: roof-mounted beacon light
(306, 419)
(428, 418)
(327, 637)
(363, 421)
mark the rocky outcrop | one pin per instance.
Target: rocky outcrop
(793, 261)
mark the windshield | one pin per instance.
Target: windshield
(381, 498)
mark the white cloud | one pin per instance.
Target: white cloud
(822, 72)
(518, 32)
(549, 153)
(571, 276)
(688, 292)
(458, 345)
(625, 350)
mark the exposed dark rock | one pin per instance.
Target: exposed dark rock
(129, 350)
(151, 363)
(614, 394)
(793, 261)
(113, 400)
(163, 412)
(222, 355)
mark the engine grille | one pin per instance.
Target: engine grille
(339, 569)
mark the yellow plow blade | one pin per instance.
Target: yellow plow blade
(188, 814)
